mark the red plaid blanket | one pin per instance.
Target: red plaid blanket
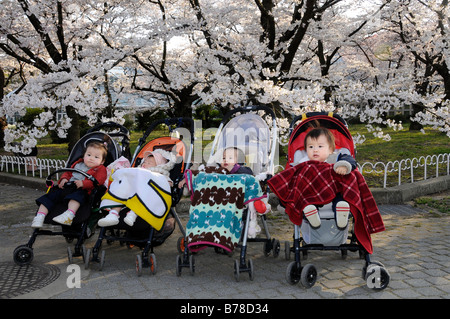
(316, 183)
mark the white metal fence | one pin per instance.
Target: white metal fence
(408, 170)
(30, 166)
(391, 173)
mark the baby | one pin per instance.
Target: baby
(230, 160)
(320, 146)
(91, 163)
(158, 161)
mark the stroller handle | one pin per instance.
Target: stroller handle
(169, 121)
(307, 115)
(247, 109)
(90, 177)
(123, 131)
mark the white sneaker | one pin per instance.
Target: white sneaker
(38, 221)
(312, 215)
(65, 218)
(130, 218)
(109, 220)
(342, 212)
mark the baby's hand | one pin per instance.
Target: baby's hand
(181, 183)
(62, 183)
(341, 170)
(79, 183)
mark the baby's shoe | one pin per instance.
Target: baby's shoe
(38, 220)
(130, 218)
(109, 220)
(342, 212)
(312, 215)
(65, 218)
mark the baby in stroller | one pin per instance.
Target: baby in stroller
(73, 186)
(320, 146)
(205, 192)
(157, 161)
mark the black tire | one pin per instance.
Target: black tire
(308, 276)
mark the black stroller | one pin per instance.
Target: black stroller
(328, 236)
(83, 224)
(142, 234)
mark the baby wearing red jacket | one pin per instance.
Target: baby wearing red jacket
(91, 163)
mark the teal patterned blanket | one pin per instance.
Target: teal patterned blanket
(217, 204)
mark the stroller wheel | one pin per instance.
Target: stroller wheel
(236, 270)
(83, 249)
(362, 254)
(293, 273)
(276, 248)
(69, 254)
(308, 276)
(287, 250)
(23, 255)
(152, 263)
(178, 265)
(376, 276)
(138, 265)
(87, 258)
(267, 248)
(251, 274)
(102, 260)
(180, 245)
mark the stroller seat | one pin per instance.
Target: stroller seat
(327, 234)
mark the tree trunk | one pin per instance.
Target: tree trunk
(416, 126)
(74, 131)
(2, 119)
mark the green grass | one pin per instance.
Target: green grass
(442, 205)
(404, 144)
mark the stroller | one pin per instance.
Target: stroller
(327, 236)
(83, 224)
(143, 234)
(246, 130)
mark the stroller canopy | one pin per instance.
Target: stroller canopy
(337, 126)
(114, 150)
(250, 134)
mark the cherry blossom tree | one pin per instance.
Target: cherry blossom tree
(360, 58)
(59, 40)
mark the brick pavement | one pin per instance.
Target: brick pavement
(414, 249)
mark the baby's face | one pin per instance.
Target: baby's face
(149, 162)
(93, 157)
(229, 159)
(318, 149)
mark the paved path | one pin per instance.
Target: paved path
(414, 249)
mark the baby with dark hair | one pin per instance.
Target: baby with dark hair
(320, 146)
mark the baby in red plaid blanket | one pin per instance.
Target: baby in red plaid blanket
(320, 146)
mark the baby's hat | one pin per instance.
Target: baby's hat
(161, 156)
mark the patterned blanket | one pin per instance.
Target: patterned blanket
(217, 203)
(316, 183)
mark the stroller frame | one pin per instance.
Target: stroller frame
(147, 258)
(271, 245)
(23, 254)
(307, 274)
